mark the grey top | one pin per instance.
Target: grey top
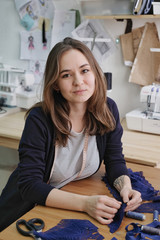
(68, 160)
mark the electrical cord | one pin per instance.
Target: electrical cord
(2, 101)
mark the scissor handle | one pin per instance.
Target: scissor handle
(28, 226)
(36, 223)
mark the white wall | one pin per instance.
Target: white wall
(125, 94)
(9, 34)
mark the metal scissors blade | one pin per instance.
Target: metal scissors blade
(29, 227)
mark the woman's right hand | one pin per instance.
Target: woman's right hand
(102, 208)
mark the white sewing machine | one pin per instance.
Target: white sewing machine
(17, 88)
(9, 82)
(147, 118)
(26, 93)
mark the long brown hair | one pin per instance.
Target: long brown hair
(98, 117)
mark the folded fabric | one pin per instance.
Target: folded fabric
(148, 7)
(141, 8)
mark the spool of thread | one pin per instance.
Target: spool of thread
(135, 215)
(155, 215)
(150, 230)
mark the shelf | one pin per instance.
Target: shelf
(7, 93)
(12, 70)
(8, 85)
(122, 16)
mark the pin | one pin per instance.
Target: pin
(151, 230)
(155, 215)
(135, 215)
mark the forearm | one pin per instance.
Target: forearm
(122, 182)
(66, 200)
(100, 207)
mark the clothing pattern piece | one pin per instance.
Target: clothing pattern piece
(140, 184)
(147, 192)
(71, 229)
(149, 207)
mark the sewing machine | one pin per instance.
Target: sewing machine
(17, 87)
(146, 118)
(26, 93)
(9, 81)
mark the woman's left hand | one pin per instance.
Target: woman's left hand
(131, 197)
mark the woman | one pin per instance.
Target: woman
(68, 134)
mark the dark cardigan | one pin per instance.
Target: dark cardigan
(36, 153)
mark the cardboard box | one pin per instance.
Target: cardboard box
(156, 8)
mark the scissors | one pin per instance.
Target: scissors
(34, 224)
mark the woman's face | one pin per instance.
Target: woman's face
(76, 80)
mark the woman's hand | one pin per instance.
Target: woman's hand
(102, 208)
(131, 197)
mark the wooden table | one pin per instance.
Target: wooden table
(11, 127)
(141, 147)
(138, 147)
(89, 186)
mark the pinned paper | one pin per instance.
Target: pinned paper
(31, 12)
(92, 33)
(27, 22)
(32, 46)
(37, 68)
(63, 25)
